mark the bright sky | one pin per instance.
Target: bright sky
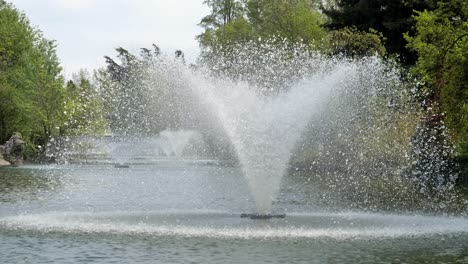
(86, 30)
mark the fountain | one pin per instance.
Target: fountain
(269, 106)
(173, 143)
(349, 121)
(122, 152)
(264, 130)
(265, 127)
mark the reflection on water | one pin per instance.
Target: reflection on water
(22, 184)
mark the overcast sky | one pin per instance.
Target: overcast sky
(86, 30)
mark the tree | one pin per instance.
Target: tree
(392, 18)
(222, 13)
(139, 97)
(224, 26)
(221, 39)
(124, 95)
(31, 87)
(83, 110)
(441, 43)
(49, 93)
(16, 47)
(262, 44)
(296, 20)
(354, 43)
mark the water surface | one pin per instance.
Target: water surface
(185, 212)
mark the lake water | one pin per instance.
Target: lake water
(188, 212)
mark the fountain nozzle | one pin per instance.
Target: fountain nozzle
(262, 216)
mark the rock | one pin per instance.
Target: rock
(3, 162)
(13, 149)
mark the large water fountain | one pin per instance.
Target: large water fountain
(308, 136)
(265, 130)
(266, 123)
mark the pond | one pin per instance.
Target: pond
(189, 212)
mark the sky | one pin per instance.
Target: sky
(87, 30)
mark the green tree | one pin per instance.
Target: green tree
(16, 48)
(49, 93)
(441, 42)
(224, 26)
(83, 110)
(222, 13)
(31, 87)
(294, 20)
(354, 43)
(221, 39)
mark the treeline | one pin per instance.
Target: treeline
(427, 37)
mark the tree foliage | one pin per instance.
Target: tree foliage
(296, 21)
(125, 97)
(441, 43)
(139, 99)
(83, 107)
(392, 18)
(31, 90)
(235, 22)
(354, 43)
(33, 98)
(222, 13)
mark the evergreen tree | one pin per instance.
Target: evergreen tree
(139, 98)
(391, 17)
